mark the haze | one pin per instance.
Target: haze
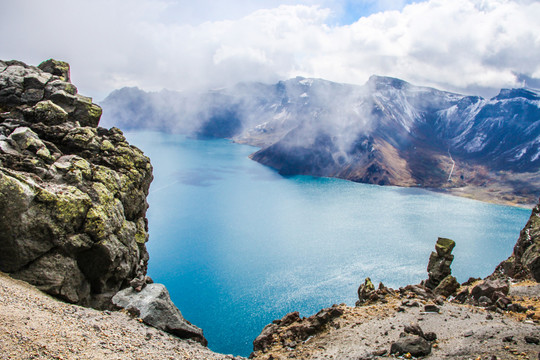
(467, 46)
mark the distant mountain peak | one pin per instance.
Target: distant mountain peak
(529, 94)
(378, 80)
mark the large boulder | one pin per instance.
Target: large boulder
(154, 306)
(524, 263)
(72, 195)
(414, 345)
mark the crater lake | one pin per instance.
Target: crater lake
(238, 245)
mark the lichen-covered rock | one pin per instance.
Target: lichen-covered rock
(448, 286)
(72, 195)
(439, 262)
(524, 263)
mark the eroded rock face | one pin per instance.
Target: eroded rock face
(524, 263)
(72, 195)
(292, 330)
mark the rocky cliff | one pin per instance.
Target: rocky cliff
(524, 263)
(72, 194)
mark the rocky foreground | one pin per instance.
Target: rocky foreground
(34, 325)
(409, 324)
(438, 318)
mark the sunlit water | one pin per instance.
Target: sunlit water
(238, 245)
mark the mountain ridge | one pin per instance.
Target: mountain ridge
(386, 132)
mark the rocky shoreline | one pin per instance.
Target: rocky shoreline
(438, 318)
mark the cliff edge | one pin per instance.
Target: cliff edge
(72, 194)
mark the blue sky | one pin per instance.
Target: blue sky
(467, 46)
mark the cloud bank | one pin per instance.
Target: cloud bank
(469, 46)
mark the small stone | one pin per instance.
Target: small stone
(532, 340)
(508, 338)
(431, 308)
(484, 301)
(414, 329)
(380, 352)
(514, 307)
(468, 333)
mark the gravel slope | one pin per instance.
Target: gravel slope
(463, 331)
(36, 326)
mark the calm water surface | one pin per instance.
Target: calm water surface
(238, 245)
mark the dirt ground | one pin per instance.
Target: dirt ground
(34, 325)
(463, 331)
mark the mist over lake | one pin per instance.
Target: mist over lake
(238, 245)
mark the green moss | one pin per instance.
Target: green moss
(141, 236)
(84, 166)
(68, 205)
(107, 177)
(444, 246)
(105, 197)
(106, 145)
(81, 136)
(368, 285)
(49, 113)
(95, 225)
(12, 192)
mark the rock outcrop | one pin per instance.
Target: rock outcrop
(72, 194)
(524, 263)
(154, 306)
(439, 263)
(292, 330)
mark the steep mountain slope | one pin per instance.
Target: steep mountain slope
(387, 132)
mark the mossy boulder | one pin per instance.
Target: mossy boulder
(72, 194)
(48, 113)
(56, 67)
(444, 246)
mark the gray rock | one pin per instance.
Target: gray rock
(431, 308)
(55, 67)
(415, 345)
(448, 286)
(488, 287)
(156, 309)
(524, 263)
(72, 195)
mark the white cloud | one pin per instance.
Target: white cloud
(460, 45)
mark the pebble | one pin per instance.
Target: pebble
(431, 308)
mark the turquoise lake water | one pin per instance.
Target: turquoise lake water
(238, 245)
